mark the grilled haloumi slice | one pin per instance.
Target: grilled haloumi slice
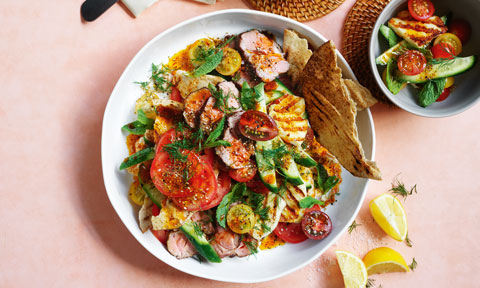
(289, 114)
(275, 205)
(170, 217)
(417, 33)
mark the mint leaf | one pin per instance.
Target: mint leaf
(236, 193)
(309, 201)
(211, 62)
(431, 91)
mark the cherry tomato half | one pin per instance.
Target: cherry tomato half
(257, 126)
(421, 9)
(244, 174)
(443, 50)
(290, 232)
(444, 95)
(316, 224)
(412, 62)
(451, 39)
(168, 137)
(175, 95)
(461, 28)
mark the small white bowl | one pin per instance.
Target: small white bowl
(269, 264)
(467, 92)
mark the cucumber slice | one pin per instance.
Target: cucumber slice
(287, 165)
(446, 69)
(388, 55)
(389, 35)
(273, 95)
(392, 84)
(281, 87)
(266, 167)
(200, 242)
(153, 193)
(301, 157)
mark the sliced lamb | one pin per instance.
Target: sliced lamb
(205, 221)
(179, 246)
(225, 242)
(228, 88)
(264, 54)
(238, 154)
(210, 116)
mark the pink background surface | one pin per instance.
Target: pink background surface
(57, 226)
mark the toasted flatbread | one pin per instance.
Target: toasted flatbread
(359, 94)
(297, 52)
(332, 112)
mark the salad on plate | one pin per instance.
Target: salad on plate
(222, 155)
(424, 52)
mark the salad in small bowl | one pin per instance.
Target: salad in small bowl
(420, 56)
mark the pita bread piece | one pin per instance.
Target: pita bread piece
(359, 94)
(332, 112)
(297, 52)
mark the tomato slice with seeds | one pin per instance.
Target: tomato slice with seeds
(412, 62)
(443, 50)
(244, 174)
(206, 190)
(316, 224)
(290, 232)
(257, 126)
(421, 9)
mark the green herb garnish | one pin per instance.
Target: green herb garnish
(139, 157)
(414, 264)
(431, 91)
(353, 226)
(309, 202)
(139, 126)
(398, 188)
(238, 190)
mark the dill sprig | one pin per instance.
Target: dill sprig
(251, 247)
(197, 229)
(414, 264)
(399, 189)
(353, 226)
(408, 242)
(370, 283)
(159, 78)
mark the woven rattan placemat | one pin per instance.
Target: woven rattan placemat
(356, 34)
(300, 10)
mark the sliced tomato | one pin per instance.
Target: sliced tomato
(444, 95)
(224, 183)
(244, 174)
(290, 232)
(443, 50)
(257, 186)
(168, 137)
(451, 39)
(421, 9)
(461, 28)
(316, 224)
(161, 235)
(205, 190)
(257, 126)
(175, 94)
(209, 156)
(176, 178)
(412, 62)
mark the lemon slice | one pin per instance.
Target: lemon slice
(384, 260)
(388, 212)
(353, 270)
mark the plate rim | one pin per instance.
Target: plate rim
(104, 148)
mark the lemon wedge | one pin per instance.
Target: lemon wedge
(384, 260)
(353, 270)
(388, 212)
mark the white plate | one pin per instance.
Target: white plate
(269, 264)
